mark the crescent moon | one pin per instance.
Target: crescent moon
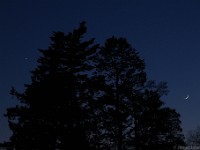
(187, 96)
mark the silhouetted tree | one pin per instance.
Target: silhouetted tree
(123, 73)
(53, 115)
(129, 104)
(83, 95)
(193, 137)
(158, 127)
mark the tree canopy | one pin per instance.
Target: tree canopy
(92, 96)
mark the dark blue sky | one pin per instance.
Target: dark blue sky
(166, 33)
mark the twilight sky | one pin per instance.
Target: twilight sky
(166, 34)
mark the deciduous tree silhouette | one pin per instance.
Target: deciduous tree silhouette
(193, 138)
(130, 104)
(158, 127)
(123, 71)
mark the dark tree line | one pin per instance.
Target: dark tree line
(95, 97)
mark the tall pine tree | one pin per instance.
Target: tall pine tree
(52, 115)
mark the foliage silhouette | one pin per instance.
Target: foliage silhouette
(130, 104)
(193, 138)
(158, 127)
(123, 73)
(93, 97)
(52, 115)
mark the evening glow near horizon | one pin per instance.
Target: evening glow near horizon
(165, 33)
